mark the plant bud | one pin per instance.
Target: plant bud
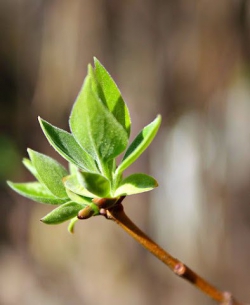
(104, 203)
(86, 213)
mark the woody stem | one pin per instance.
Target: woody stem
(118, 215)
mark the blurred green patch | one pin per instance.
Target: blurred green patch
(9, 158)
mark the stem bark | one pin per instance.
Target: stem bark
(118, 215)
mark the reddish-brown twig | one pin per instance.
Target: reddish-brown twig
(118, 215)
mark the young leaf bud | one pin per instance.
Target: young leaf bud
(104, 203)
(86, 213)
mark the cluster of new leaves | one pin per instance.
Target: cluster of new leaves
(100, 129)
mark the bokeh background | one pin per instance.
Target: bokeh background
(189, 61)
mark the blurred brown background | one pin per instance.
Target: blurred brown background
(189, 61)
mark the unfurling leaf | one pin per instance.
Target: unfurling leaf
(71, 226)
(95, 183)
(71, 183)
(95, 128)
(109, 91)
(78, 198)
(135, 184)
(140, 143)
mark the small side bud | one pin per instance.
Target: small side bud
(100, 202)
(85, 213)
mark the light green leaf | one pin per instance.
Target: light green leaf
(78, 198)
(36, 191)
(95, 128)
(95, 183)
(28, 164)
(64, 212)
(71, 226)
(71, 183)
(109, 92)
(140, 143)
(135, 184)
(72, 169)
(50, 173)
(65, 144)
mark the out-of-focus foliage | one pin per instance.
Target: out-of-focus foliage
(9, 158)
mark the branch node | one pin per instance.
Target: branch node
(228, 300)
(103, 212)
(118, 215)
(180, 269)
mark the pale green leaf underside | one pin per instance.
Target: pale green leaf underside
(140, 143)
(135, 184)
(64, 212)
(71, 182)
(78, 198)
(65, 144)
(50, 173)
(35, 191)
(95, 183)
(95, 128)
(109, 91)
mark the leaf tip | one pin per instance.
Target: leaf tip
(158, 116)
(71, 229)
(158, 120)
(25, 160)
(12, 185)
(30, 151)
(9, 183)
(95, 60)
(71, 226)
(43, 220)
(90, 71)
(40, 120)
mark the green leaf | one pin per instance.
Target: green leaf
(140, 143)
(135, 184)
(71, 183)
(71, 226)
(50, 173)
(72, 169)
(64, 212)
(78, 198)
(35, 191)
(28, 164)
(95, 183)
(95, 128)
(65, 144)
(109, 92)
